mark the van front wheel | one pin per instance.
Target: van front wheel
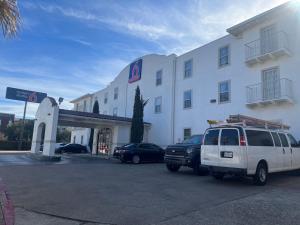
(261, 175)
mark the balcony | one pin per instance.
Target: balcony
(277, 92)
(272, 47)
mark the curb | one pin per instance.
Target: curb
(7, 207)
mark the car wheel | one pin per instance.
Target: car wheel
(172, 167)
(261, 175)
(136, 159)
(218, 175)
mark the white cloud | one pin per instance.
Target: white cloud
(175, 29)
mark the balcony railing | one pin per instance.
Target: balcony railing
(266, 48)
(270, 92)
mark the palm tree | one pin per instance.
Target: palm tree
(9, 17)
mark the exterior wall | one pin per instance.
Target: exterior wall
(206, 75)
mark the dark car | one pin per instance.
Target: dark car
(187, 154)
(137, 153)
(72, 148)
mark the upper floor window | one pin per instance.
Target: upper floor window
(84, 106)
(224, 92)
(188, 68)
(159, 77)
(187, 99)
(105, 98)
(115, 111)
(116, 93)
(224, 56)
(158, 103)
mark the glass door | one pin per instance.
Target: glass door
(271, 84)
(268, 39)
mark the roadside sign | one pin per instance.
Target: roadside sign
(25, 95)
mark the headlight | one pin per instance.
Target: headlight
(189, 150)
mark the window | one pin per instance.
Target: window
(211, 137)
(195, 139)
(224, 56)
(230, 137)
(188, 68)
(284, 140)
(158, 77)
(105, 98)
(77, 107)
(276, 139)
(293, 141)
(224, 92)
(115, 111)
(259, 138)
(157, 106)
(187, 133)
(74, 139)
(187, 99)
(84, 106)
(116, 93)
(81, 139)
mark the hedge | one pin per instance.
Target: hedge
(13, 145)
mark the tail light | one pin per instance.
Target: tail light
(242, 141)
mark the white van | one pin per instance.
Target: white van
(249, 151)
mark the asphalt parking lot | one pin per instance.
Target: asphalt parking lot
(88, 191)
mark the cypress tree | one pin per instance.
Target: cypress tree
(137, 124)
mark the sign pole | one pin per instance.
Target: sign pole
(22, 128)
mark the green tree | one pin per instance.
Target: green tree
(137, 124)
(12, 132)
(9, 17)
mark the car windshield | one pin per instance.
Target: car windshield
(129, 145)
(195, 139)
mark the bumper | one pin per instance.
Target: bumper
(178, 160)
(228, 170)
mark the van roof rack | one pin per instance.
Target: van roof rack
(249, 121)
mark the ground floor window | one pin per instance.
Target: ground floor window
(224, 91)
(187, 133)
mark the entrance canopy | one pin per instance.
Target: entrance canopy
(49, 116)
(73, 118)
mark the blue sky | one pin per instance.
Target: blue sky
(71, 47)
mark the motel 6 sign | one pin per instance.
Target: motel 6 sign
(135, 71)
(25, 95)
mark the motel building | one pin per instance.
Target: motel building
(253, 71)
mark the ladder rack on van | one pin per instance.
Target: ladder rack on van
(249, 121)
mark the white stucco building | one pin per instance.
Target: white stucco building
(254, 71)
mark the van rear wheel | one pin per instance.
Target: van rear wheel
(261, 175)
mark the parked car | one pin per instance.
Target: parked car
(187, 154)
(58, 145)
(137, 153)
(72, 148)
(249, 151)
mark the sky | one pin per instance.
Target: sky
(68, 48)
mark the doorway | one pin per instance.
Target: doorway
(104, 143)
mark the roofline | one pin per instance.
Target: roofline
(81, 97)
(241, 27)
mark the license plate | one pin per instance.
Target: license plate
(227, 154)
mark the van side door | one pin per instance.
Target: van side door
(278, 152)
(210, 148)
(295, 151)
(286, 152)
(230, 150)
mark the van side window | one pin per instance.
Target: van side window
(229, 137)
(211, 137)
(284, 140)
(293, 141)
(276, 139)
(259, 138)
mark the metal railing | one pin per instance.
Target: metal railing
(269, 91)
(259, 47)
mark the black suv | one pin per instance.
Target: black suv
(186, 153)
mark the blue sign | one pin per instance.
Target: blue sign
(135, 71)
(25, 95)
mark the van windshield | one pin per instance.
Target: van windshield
(195, 139)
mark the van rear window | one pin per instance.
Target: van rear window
(259, 138)
(212, 137)
(230, 137)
